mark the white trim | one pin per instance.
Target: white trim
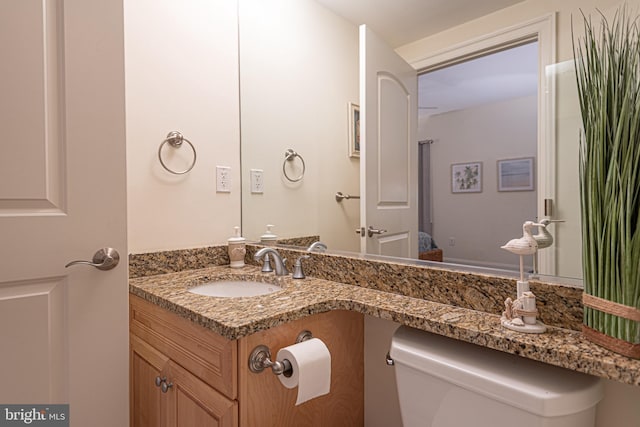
(543, 29)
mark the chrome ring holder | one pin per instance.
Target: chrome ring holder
(260, 358)
(175, 139)
(289, 156)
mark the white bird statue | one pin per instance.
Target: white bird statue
(526, 245)
(543, 238)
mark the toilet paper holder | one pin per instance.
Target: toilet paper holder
(260, 358)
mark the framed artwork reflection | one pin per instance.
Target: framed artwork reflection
(466, 177)
(515, 174)
(354, 130)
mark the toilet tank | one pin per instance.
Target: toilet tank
(443, 382)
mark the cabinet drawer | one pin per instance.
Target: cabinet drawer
(207, 355)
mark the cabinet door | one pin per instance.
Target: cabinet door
(191, 402)
(147, 363)
(211, 357)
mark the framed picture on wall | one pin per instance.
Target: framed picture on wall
(354, 130)
(466, 177)
(515, 174)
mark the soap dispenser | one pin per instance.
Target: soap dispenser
(237, 249)
(268, 238)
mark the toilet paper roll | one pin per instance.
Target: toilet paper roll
(311, 365)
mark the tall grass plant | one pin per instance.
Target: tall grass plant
(608, 77)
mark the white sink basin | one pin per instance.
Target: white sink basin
(235, 288)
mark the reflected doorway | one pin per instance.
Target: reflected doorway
(478, 126)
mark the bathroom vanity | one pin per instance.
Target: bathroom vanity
(203, 343)
(185, 374)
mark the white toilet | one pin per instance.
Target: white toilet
(448, 383)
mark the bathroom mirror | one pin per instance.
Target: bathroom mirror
(298, 84)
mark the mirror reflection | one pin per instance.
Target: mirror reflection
(477, 162)
(299, 80)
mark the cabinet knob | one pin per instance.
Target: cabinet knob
(166, 386)
(160, 381)
(163, 384)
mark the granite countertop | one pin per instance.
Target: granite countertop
(235, 318)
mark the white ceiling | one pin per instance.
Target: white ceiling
(400, 22)
(503, 75)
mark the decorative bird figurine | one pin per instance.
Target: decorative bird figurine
(544, 238)
(526, 245)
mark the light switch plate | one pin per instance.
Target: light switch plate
(223, 179)
(257, 181)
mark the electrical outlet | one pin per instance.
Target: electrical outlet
(223, 179)
(452, 241)
(257, 181)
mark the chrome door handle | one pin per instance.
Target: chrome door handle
(104, 259)
(371, 231)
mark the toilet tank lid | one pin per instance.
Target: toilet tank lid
(536, 387)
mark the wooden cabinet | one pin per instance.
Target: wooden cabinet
(147, 364)
(181, 374)
(165, 394)
(207, 381)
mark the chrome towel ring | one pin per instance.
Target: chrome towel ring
(175, 139)
(289, 156)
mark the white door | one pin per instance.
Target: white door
(389, 159)
(63, 331)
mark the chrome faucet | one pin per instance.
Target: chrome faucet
(281, 269)
(317, 247)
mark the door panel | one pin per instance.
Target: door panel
(38, 307)
(389, 150)
(394, 245)
(393, 142)
(30, 119)
(62, 197)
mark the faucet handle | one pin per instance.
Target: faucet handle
(298, 273)
(317, 247)
(266, 265)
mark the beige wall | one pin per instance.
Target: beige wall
(481, 222)
(181, 71)
(298, 72)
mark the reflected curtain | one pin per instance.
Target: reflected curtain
(424, 186)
